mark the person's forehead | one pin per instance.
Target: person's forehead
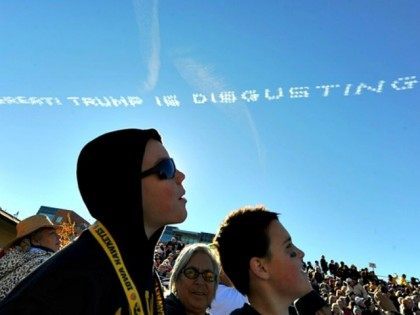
(48, 231)
(154, 152)
(277, 232)
(201, 261)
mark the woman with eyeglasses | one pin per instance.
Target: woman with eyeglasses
(193, 281)
(131, 186)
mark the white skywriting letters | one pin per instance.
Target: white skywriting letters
(269, 94)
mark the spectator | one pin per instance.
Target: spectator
(332, 267)
(336, 310)
(172, 244)
(309, 266)
(258, 255)
(132, 187)
(403, 280)
(414, 282)
(383, 300)
(317, 274)
(193, 281)
(324, 264)
(392, 280)
(407, 306)
(356, 288)
(165, 268)
(332, 299)
(36, 241)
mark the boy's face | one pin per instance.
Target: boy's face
(286, 265)
(163, 199)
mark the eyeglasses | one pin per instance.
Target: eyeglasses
(192, 273)
(165, 169)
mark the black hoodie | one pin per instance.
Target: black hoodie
(80, 279)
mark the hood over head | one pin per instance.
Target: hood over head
(108, 175)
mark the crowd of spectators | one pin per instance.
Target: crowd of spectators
(347, 290)
(165, 257)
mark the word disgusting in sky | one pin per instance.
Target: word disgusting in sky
(222, 97)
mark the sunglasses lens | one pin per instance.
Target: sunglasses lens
(167, 169)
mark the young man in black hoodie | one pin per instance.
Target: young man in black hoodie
(132, 187)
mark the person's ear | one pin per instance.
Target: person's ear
(259, 268)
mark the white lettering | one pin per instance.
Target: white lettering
(275, 97)
(134, 100)
(199, 98)
(299, 92)
(74, 99)
(362, 86)
(250, 96)
(227, 97)
(407, 81)
(327, 88)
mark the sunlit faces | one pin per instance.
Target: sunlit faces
(47, 238)
(196, 294)
(285, 264)
(163, 199)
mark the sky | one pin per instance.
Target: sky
(308, 107)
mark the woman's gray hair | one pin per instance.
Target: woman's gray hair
(184, 257)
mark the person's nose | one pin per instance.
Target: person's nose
(300, 253)
(199, 279)
(179, 177)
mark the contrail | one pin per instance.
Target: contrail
(203, 78)
(147, 17)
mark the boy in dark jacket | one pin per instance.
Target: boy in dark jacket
(258, 255)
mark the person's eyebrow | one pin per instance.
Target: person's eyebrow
(289, 239)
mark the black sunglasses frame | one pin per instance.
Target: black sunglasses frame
(197, 273)
(161, 169)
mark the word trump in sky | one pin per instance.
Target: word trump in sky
(223, 97)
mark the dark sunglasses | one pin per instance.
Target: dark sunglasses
(192, 273)
(165, 169)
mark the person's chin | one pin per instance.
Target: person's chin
(184, 215)
(183, 209)
(181, 214)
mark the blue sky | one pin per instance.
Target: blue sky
(310, 108)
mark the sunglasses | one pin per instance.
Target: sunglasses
(165, 169)
(192, 273)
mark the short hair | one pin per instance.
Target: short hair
(241, 236)
(185, 256)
